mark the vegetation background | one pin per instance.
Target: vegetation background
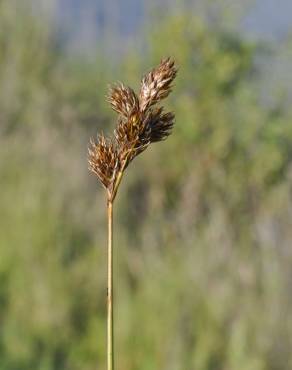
(203, 222)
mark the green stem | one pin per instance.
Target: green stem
(110, 314)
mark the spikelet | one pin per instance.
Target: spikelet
(103, 160)
(159, 124)
(123, 100)
(132, 138)
(156, 85)
(139, 124)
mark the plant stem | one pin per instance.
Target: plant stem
(110, 314)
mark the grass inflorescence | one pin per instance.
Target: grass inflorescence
(140, 122)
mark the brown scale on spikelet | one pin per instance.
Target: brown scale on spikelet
(139, 124)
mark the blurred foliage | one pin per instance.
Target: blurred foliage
(203, 222)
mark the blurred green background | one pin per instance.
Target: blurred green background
(203, 222)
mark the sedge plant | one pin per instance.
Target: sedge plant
(141, 121)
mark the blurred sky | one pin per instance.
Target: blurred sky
(84, 23)
(270, 18)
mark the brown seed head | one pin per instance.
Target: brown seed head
(139, 124)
